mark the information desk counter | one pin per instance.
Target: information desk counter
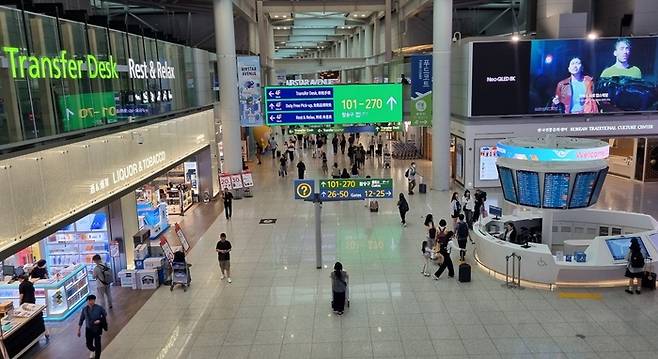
(542, 265)
(22, 330)
(60, 296)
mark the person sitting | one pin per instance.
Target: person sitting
(510, 233)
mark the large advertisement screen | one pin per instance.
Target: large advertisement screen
(578, 76)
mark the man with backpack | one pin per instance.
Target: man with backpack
(104, 278)
(462, 236)
(411, 177)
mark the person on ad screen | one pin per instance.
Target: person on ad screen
(575, 92)
(621, 67)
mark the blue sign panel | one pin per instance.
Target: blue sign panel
(303, 189)
(355, 189)
(305, 105)
(314, 93)
(295, 117)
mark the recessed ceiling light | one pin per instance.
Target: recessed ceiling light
(284, 16)
(276, 16)
(363, 15)
(355, 15)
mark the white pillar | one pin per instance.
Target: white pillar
(367, 51)
(227, 69)
(441, 94)
(343, 54)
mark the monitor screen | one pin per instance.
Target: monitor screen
(8, 270)
(528, 184)
(507, 183)
(619, 247)
(556, 190)
(495, 211)
(582, 189)
(599, 186)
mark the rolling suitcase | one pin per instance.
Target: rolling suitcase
(648, 277)
(422, 188)
(374, 206)
(464, 272)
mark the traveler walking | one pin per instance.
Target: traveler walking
(223, 250)
(411, 177)
(371, 146)
(273, 146)
(455, 209)
(467, 206)
(325, 168)
(403, 207)
(462, 236)
(635, 267)
(283, 168)
(380, 144)
(227, 196)
(301, 168)
(445, 246)
(478, 207)
(334, 144)
(291, 151)
(343, 142)
(335, 171)
(94, 317)
(103, 276)
(355, 171)
(339, 287)
(345, 174)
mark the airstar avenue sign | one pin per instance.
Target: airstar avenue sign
(38, 67)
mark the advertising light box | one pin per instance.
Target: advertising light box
(577, 76)
(338, 104)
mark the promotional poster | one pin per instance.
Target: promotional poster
(421, 90)
(249, 91)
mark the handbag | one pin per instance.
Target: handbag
(439, 258)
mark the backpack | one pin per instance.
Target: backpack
(406, 173)
(637, 260)
(462, 230)
(441, 236)
(423, 247)
(105, 271)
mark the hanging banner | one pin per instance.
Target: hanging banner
(182, 238)
(225, 182)
(249, 91)
(421, 90)
(247, 179)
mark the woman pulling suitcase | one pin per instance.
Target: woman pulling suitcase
(339, 280)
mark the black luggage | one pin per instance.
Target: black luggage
(649, 280)
(464, 272)
(278, 153)
(374, 206)
(422, 188)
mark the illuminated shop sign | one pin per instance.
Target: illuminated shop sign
(549, 154)
(59, 66)
(65, 66)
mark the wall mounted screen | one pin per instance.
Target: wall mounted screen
(577, 76)
(582, 189)
(528, 185)
(599, 185)
(556, 190)
(508, 185)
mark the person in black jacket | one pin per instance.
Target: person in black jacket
(444, 250)
(301, 168)
(510, 233)
(345, 174)
(403, 206)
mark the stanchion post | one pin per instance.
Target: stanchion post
(318, 231)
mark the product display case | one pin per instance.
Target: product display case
(61, 294)
(78, 243)
(153, 218)
(179, 199)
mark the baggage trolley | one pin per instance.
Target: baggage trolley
(180, 274)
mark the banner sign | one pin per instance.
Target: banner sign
(225, 182)
(181, 237)
(236, 181)
(338, 104)
(166, 248)
(247, 179)
(249, 91)
(421, 90)
(355, 189)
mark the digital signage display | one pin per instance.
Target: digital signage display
(556, 190)
(599, 186)
(619, 247)
(508, 185)
(576, 76)
(338, 104)
(528, 185)
(582, 189)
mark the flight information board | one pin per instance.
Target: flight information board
(528, 185)
(599, 185)
(355, 189)
(556, 190)
(582, 190)
(507, 183)
(339, 104)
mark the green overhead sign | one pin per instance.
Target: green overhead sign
(338, 104)
(87, 110)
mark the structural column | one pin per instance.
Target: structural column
(442, 26)
(367, 52)
(388, 52)
(343, 54)
(227, 70)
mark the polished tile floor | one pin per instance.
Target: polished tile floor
(278, 305)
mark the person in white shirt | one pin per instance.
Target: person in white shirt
(467, 207)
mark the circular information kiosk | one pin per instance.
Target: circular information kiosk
(556, 237)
